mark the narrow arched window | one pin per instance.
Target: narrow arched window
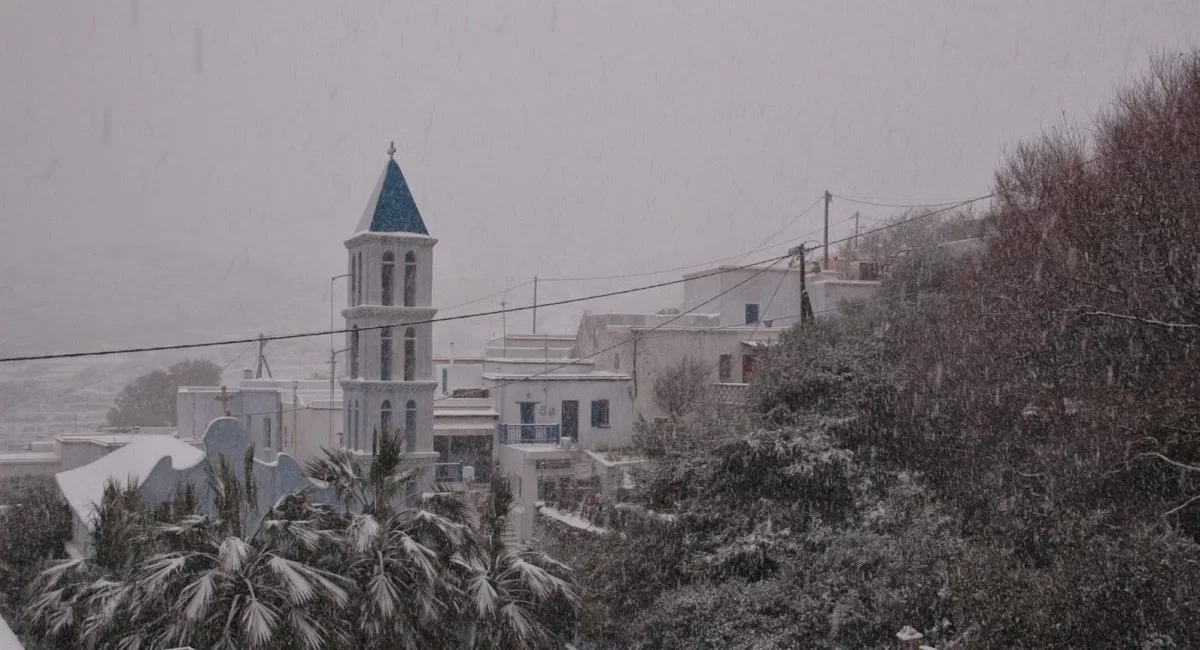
(358, 297)
(410, 354)
(353, 281)
(385, 417)
(410, 425)
(410, 279)
(385, 354)
(388, 276)
(354, 352)
(354, 438)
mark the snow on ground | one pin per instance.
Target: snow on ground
(571, 519)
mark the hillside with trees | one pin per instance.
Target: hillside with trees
(1002, 451)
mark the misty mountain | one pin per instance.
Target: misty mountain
(92, 294)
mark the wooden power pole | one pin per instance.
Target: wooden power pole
(806, 312)
(828, 198)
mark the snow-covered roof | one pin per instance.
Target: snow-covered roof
(464, 413)
(8, 640)
(758, 344)
(391, 207)
(111, 439)
(82, 486)
(598, 375)
(28, 457)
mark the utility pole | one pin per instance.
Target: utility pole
(535, 304)
(806, 312)
(855, 231)
(828, 198)
(262, 359)
(504, 328)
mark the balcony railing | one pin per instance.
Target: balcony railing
(514, 433)
(729, 393)
(448, 472)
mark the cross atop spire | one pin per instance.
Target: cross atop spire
(392, 150)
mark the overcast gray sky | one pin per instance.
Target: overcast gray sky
(562, 139)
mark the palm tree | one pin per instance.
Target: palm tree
(183, 578)
(73, 600)
(395, 546)
(387, 569)
(515, 595)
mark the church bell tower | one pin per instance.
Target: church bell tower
(388, 382)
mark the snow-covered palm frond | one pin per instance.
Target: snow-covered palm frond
(306, 630)
(420, 555)
(482, 595)
(518, 623)
(196, 596)
(362, 533)
(534, 578)
(232, 553)
(258, 622)
(384, 594)
(301, 582)
(160, 568)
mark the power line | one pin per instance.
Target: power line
(915, 204)
(788, 224)
(761, 247)
(490, 295)
(299, 335)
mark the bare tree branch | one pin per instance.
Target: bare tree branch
(1182, 506)
(1183, 466)
(1139, 319)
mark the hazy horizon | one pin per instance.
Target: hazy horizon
(538, 138)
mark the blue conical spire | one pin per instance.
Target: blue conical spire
(392, 208)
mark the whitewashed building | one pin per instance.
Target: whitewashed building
(770, 296)
(647, 345)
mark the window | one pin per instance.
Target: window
(445, 378)
(410, 426)
(354, 351)
(267, 433)
(617, 360)
(747, 368)
(247, 427)
(600, 413)
(389, 274)
(385, 354)
(353, 279)
(362, 281)
(724, 367)
(410, 354)
(751, 314)
(410, 279)
(385, 417)
(354, 434)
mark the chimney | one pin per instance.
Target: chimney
(451, 352)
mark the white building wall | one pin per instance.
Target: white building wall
(828, 295)
(255, 408)
(457, 376)
(653, 352)
(776, 292)
(29, 464)
(550, 393)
